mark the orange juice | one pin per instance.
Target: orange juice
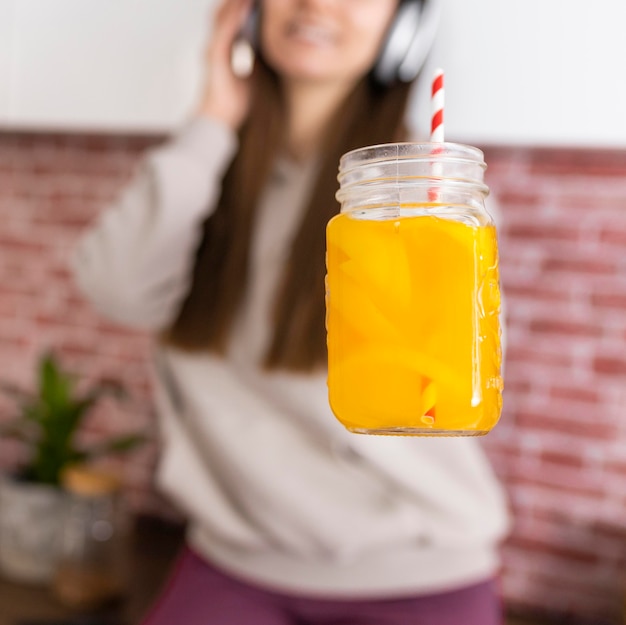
(413, 324)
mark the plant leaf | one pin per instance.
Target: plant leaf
(56, 387)
(116, 445)
(50, 417)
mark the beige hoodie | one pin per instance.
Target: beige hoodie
(276, 490)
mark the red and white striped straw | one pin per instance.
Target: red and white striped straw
(437, 102)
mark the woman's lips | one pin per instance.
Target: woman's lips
(311, 34)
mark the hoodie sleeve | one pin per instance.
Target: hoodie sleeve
(135, 263)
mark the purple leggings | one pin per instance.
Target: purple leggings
(199, 594)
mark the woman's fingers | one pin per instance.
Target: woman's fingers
(226, 95)
(228, 22)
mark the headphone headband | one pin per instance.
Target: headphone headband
(408, 41)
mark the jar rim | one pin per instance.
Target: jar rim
(410, 172)
(406, 150)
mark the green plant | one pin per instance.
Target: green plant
(49, 418)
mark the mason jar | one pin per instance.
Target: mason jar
(412, 293)
(94, 545)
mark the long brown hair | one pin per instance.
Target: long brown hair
(370, 115)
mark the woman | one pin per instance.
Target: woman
(218, 248)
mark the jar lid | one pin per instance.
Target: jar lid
(89, 482)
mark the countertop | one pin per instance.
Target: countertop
(154, 547)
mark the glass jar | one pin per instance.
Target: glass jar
(412, 293)
(94, 542)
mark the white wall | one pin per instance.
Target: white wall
(529, 72)
(6, 19)
(119, 65)
(545, 72)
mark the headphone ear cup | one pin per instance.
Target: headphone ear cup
(246, 45)
(408, 41)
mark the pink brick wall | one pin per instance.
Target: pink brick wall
(560, 448)
(561, 445)
(50, 188)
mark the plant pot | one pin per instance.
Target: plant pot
(31, 518)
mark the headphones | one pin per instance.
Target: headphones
(406, 45)
(410, 37)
